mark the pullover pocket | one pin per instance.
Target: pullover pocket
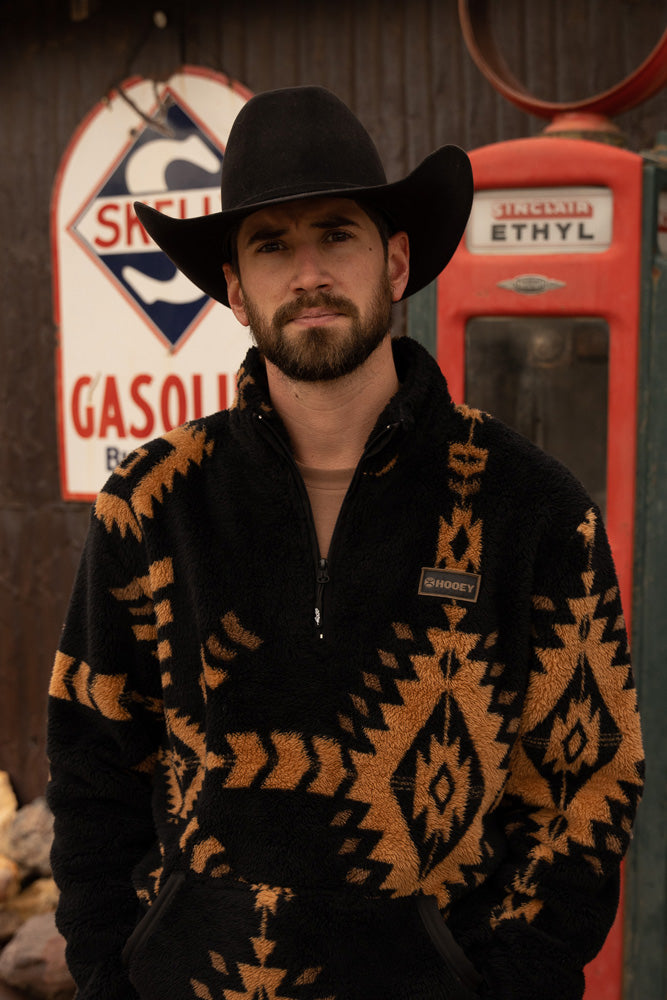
(152, 916)
(443, 939)
(219, 937)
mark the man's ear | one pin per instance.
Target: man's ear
(398, 263)
(235, 294)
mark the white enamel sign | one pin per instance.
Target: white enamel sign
(541, 220)
(140, 348)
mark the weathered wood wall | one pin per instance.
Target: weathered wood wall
(400, 64)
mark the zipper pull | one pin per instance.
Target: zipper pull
(322, 579)
(380, 439)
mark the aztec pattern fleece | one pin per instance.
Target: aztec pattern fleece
(283, 779)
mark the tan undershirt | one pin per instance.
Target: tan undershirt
(326, 490)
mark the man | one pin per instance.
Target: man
(343, 705)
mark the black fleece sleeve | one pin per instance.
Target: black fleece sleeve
(575, 780)
(103, 733)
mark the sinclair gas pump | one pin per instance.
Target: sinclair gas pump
(538, 322)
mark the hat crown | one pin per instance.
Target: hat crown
(303, 142)
(294, 142)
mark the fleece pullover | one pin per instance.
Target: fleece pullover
(409, 770)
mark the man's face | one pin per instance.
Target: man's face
(315, 285)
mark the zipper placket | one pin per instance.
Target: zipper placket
(323, 566)
(322, 580)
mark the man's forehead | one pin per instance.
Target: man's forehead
(310, 211)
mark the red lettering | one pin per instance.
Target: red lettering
(207, 205)
(147, 429)
(535, 209)
(83, 427)
(109, 417)
(162, 203)
(131, 223)
(173, 382)
(112, 415)
(109, 223)
(222, 392)
(197, 407)
(182, 209)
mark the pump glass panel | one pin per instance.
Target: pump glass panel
(547, 378)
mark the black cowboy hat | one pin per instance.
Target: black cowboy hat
(303, 142)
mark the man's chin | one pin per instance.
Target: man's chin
(312, 370)
(318, 364)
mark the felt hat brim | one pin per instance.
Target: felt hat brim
(431, 205)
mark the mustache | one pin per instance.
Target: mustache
(314, 300)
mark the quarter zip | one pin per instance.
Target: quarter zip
(375, 445)
(323, 566)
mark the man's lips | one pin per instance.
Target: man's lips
(316, 317)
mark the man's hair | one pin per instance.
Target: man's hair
(381, 222)
(230, 247)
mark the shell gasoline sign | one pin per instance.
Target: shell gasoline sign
(140, 348)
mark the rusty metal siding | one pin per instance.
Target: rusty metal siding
(401, 64)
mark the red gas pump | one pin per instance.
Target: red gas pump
(542, 296)
(538, 313)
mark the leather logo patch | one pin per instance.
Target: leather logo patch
(449, 583)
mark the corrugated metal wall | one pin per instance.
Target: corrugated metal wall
(401, 64)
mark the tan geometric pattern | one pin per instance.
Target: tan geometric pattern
(566, 763)
(149, 616)
(243, 382)
(447, 679)
(73, 680)
(185, 767)
(187, 758)
(294, 756)
(460, 538)
(222, 648)
(446, 676)
(190, 446)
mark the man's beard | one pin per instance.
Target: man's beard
(320, 354)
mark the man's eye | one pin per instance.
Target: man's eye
(338, 236)
(269, 247)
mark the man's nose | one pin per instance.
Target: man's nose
(310, 271)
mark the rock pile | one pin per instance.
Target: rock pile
(32, 959)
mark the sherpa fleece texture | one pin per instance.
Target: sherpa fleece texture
(288, 799)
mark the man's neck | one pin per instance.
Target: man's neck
(329, 422)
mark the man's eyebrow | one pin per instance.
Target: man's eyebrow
(333, 221)
(265, 234)
(326, 222)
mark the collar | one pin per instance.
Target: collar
(422, 392)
